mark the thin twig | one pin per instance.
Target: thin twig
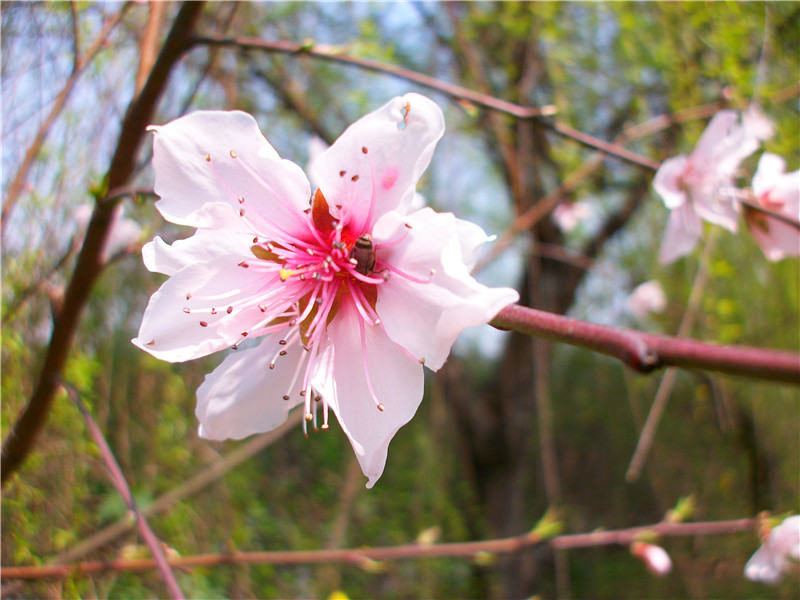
(363, 556)
(191, 486)
(336, 54)
(645, 352)
(33, 150)
(668, 380)
(119, 481)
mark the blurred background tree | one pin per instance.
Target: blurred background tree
(511, 425)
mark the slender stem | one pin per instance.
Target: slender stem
(645, 352)
(33, 150)
(538, 114)
(670, 375)
(363, 556)
(191, 486)
(119, 481)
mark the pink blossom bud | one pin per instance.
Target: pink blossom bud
(654, 557)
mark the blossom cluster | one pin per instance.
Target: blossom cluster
(701, 187)
(347, 289)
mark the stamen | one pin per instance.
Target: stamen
(366, 368)
(406, 275)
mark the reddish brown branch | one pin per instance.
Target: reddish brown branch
(335, 54)
(362, 556)
(89, 265)
(645, 352)
(121, 484)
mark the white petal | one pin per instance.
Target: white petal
(205, 162)
(426, 318)
(204, 245)
(762, 567)
(398, 150)
(243, 396)
(396, 378)
(668, 181)
(684, 230)
(170, 333)
(775, 238)
(757, 124)
(715, 133)
(718, 210)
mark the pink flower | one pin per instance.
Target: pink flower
(692, 187)
(654, 557)
(647, 297)
(568, 215)
(779, 191)
(780, 549)
(349, 293)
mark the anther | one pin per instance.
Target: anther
(255, 240)
(241, 212)
(353, 261)
(380, 407)
(213, 311)
(282, 352)
(385, 275)
(229, 310)
(354, 178)
(324, 427)
(208, 158)
(303, 393)
(244, 334)
(282, 342)
(376, 322)
(233, 154)
(341, 173)
(186, 310)
(309, 416)
(364, 149)
(286, 397)
(203, 324)
(235, 347)
(188, 295)
(271, 365)
(262, 308)
(243, 264)
(241, 199)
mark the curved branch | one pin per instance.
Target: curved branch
(89, 265)
(645, 352)
(538, 114)
(365, 556)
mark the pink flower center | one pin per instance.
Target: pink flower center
(329, 260)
